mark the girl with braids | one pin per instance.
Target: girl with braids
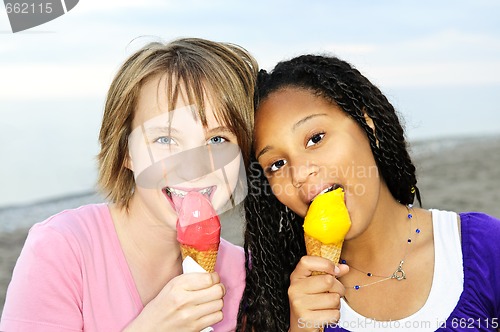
(320, 124)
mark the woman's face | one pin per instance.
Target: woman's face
(305, 145)
(172, 153)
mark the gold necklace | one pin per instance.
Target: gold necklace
(398, 274)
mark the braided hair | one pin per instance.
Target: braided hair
(274, 238)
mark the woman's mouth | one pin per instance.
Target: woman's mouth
(176, 195)
(328, 189)
(181, 193)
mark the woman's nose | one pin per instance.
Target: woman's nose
(301, 172)
(192, 164)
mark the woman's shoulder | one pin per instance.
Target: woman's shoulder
(73, 218)
(62, 237)
(478, 223)
(82, 222)
(480, 246)
(481, 254)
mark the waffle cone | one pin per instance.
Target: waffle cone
(315, 247)
(206, 259)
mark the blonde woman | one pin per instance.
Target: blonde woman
(175, 119)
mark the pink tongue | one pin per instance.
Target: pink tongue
(177, 200)
(198, 224)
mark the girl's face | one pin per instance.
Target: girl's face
(172, 153)
(305, 145)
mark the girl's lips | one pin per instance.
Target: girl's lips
(176, 195)
(312, 195)
(183, 192)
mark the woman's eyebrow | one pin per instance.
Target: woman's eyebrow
(220, 129)
(306, 119)
(160, 130)
(294, 127)
(264, 150)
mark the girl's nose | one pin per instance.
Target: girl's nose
(301, 172)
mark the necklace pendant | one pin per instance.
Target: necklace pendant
(399, 274)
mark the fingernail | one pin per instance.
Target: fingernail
(336, 270)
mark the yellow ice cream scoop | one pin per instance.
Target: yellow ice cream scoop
(327, 219)
(326, 224)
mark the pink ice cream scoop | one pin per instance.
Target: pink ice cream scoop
(198, 230)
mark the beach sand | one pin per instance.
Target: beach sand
(458, 175)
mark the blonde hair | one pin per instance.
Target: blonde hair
(224, 72)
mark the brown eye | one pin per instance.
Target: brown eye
(277, 165)
(315, 139)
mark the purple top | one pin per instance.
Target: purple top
(478, 308)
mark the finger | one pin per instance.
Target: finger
(308, 264)
(223, 289)
(321, 283)
(197, 318)
(323, 301)
(326, 317)
(338, 288)
(213, 293)
(198, 280)
(208, 308)
(343, 270)
(209, 320)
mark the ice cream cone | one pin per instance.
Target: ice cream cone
(206, 258)
(198, 230)
(317, 248)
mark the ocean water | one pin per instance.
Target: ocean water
(47, 149)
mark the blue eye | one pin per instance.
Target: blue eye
(165, 140)
(315, 139)
(217, 140)
(277, 165)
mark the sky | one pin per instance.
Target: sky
(438, 62)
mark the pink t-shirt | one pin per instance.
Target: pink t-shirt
(72, 275)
